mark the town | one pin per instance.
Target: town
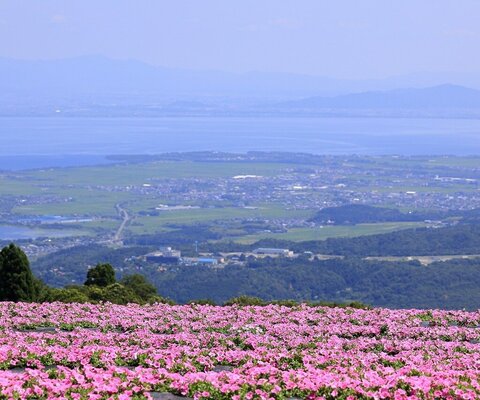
(211, 197)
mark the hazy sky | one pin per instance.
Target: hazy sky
(337, 38)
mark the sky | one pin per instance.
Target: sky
(335, 38)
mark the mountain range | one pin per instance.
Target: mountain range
(446, 96)
(101, 86)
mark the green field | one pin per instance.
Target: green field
(317, 233)
(96, 191)
(422, 161)
(94, 203)
(130, 174)
(153, 224)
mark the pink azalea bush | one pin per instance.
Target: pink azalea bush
(105, 351)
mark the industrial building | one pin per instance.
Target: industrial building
(207, 261)
(203, 261)
(166, 255)
(266, 251)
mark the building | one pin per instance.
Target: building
(166, 255)
(203, 261)
(207, 261)
(266, 251)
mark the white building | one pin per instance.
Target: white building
(266, 251)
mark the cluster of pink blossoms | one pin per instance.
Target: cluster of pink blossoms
(81, 351)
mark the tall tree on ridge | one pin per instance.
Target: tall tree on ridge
(17, 282)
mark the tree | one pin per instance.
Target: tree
(120, 294)
(68, 295)
(245, 300)
(17, 282)
(140, 286)
(102, 275)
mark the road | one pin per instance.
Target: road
(117, 238)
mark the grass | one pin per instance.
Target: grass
(97, 203)
(94, 191)
(426, 161)
(452, 188)
(12, 187)
(465, 162)
(93, 188)
(153, 224)
(142, 173)
(317, 233)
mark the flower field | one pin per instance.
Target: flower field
(80, 351)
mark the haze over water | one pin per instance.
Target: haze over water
(41, 137)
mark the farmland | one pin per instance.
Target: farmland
(80, 351)
(324, 232)
(239, 197)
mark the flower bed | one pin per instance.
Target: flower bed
(105, 351)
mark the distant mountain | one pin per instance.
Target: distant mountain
(96, 77)
(437, 97)
(96, 85)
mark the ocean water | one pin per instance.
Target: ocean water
(62, 141)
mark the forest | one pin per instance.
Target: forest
(396, 283)
(447, 285)
(389, 282)
(458, 239)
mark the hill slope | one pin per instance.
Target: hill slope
(435, 97)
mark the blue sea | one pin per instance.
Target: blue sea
(67, 141)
